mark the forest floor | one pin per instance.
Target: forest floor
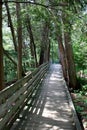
(80, 102)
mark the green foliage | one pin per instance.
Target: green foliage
(38, 15)
(79, 109)
(54, 51)
(82, 81)
(79, 40)
(83, 89)
(10, 70)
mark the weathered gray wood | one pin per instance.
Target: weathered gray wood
(49, 108)
(6, 93)
(75, 117)
(13, 97)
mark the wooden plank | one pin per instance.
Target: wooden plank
(9, 103)
(7, 92)
(48, 112)
(11, 89)
(12, 110)
(75, 117)
(24, 89)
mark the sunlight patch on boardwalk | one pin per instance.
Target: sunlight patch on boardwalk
(49, 109)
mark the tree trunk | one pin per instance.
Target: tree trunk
(62, 57)
(32, 44)
(49, 51)
(1, 51)
(45, 44)
(41, 61)
(11, 26)
(69, 51)
(19, 32)
(9, 57)
(70, 60)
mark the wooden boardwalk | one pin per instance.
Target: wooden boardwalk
(49, 109)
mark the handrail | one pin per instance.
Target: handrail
(75, 117)
(12, 98)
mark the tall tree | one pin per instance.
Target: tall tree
(70, 61)
(62, 52)
(19, 33)
(11, 26)
(45, 44)
(32, 44)
(69, 52)
(66, 52)
(1, 51)
(62, 57)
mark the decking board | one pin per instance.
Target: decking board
(49, 108)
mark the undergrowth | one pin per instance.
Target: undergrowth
(80, 101)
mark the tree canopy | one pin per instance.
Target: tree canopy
(35, 32)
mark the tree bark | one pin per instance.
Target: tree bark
(1, 51)
(19, 32)
(69, 50)
(32, 44)
(70, 60)
(45, 44)
(62, 57)
(41, 60)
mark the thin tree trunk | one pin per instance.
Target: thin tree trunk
(11, 26)
(63, 59)
(1, 51)
(46, 42)
(32, 44)
(32, 47)
(62, 52)
(9, 57)
(19, 32)
(41, 61)
(49, 51)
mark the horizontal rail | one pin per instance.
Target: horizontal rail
(75, 117)
(14, 97)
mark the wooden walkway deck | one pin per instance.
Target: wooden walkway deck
(49, 109)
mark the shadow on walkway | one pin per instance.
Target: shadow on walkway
(49, 108)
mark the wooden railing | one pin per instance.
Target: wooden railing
(14, 97)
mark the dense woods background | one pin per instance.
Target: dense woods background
(33, 32)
